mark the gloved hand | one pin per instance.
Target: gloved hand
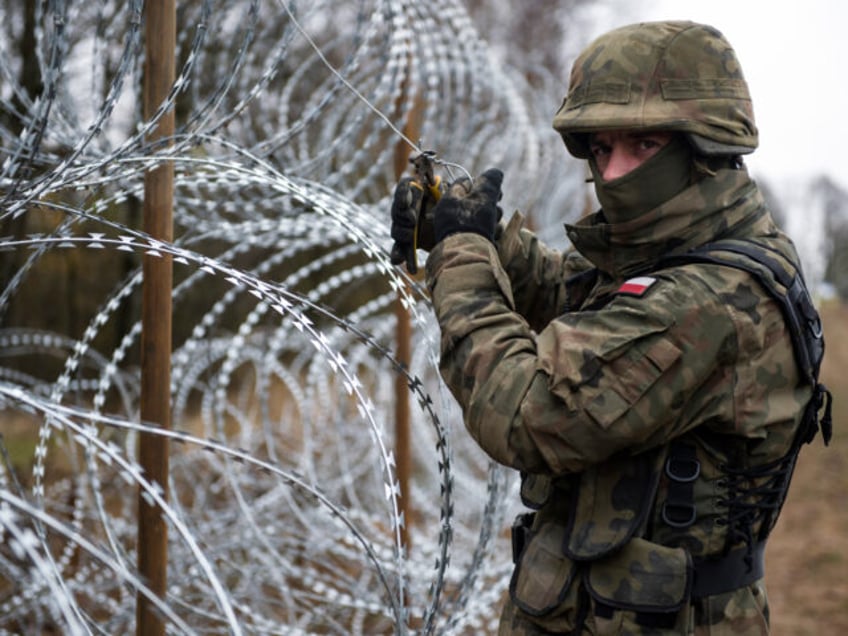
(411, 200)
(470, 207)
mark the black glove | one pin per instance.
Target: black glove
(409, 202)
(468, 207)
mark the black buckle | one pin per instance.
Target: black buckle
(679, 515)
(682, 469)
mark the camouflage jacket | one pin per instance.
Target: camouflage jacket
(580, 369)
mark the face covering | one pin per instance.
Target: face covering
(645, 187)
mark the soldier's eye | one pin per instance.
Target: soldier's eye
(652, 142)
(647, 143)
(599, 150)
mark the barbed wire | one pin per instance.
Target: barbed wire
(283, 498)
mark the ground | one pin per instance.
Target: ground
(807, 555)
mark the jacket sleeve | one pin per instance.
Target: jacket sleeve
(590, 384)
(538, 274)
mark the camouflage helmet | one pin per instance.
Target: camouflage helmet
(675, 76)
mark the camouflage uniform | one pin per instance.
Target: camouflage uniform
(598, 383)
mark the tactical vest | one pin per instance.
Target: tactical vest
(755, 495)
(758, 493)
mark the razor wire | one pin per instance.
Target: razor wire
(283, 499)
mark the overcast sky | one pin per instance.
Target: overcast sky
(795, 58)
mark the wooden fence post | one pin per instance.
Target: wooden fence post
(403, 340)
(159, 77)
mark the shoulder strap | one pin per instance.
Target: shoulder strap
(782, 280)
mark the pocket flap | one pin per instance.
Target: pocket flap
(543, 575)
(614, 498)
(642, 577)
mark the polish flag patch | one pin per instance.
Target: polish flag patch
(637, 286)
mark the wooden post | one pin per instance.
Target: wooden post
(403, 442)
(403, 341)
(159, 77)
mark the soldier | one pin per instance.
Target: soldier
(650, 399)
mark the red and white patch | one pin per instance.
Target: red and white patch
(637, 286)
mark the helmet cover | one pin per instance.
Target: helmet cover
(676, 76)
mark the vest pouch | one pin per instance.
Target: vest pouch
(643, 588)
(612, 504)
(544, 584)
